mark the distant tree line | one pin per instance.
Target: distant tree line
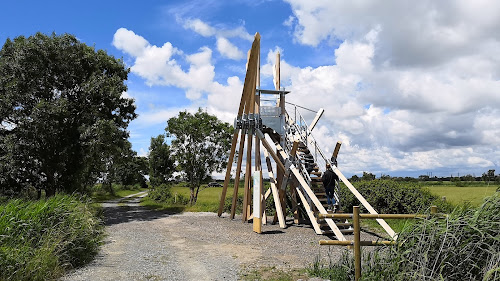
(488, 177)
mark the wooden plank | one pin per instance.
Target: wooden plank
(309, 212)
(336, 150)
(365, 203)
(252, 61)
(257, 202)
(238, 172)
(268, 192)
(316, 119)
(270, 150)
(248, 173)
(277, 72)
(274, 189)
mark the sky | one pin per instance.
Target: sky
(409, 87)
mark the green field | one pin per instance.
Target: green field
(459, 195)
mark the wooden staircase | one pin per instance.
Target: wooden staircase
(316, 184)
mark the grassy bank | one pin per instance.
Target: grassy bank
(40, 240)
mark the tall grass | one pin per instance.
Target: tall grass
(40, 240)
(463, 246)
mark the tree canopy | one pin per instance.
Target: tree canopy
(62, 114)
(201, 143)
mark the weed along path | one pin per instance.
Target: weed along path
(142, 244)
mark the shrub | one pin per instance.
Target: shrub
(239, 204)
(162, 193)
(390, 197)
(40, 240)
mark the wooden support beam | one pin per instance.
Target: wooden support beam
(365, 203)
(248, 179)
(238, 172)
(274, 189)
(316, 119)
(336, 150)
(309, 212)
(249, 83)
(270, 150)
(277, 72)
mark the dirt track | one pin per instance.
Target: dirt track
(148, 245)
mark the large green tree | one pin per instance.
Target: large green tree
(62, 114)
(161, 162)
(201, 143)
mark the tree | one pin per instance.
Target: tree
(129, 169)
(367, 176)
(489, 176)
(354, 178)
(200, 144)
(161, 163)
(62, 115)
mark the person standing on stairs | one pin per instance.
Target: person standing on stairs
(330, 180)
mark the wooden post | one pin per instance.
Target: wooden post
(274, 189)
(249, 82)
(357, 246)
(257, 200)
(238, 172)
(434, 210)
(336, 150)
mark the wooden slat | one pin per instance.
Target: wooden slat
(316, 119)
(309, 212)
(238, 172)
(270, 150)
(365, 203)
(277, 203)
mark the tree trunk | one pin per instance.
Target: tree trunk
(192, 199)
(196, 195)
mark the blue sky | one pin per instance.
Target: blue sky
(408, 87)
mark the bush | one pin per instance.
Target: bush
(391, 197)
(40, 240)
(463, 246)
(229, 202)
(163, 194)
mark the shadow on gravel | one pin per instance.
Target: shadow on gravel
(122, 214)
(273, 232)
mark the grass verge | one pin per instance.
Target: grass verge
(40, 240)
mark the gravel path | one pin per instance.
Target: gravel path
(150, 245)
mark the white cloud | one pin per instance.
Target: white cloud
(206, 30)
(129, 42)
(224, 46)
(159, 67)
(228, 50)
(200, 27)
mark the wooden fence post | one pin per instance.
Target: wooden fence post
(357, 246)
